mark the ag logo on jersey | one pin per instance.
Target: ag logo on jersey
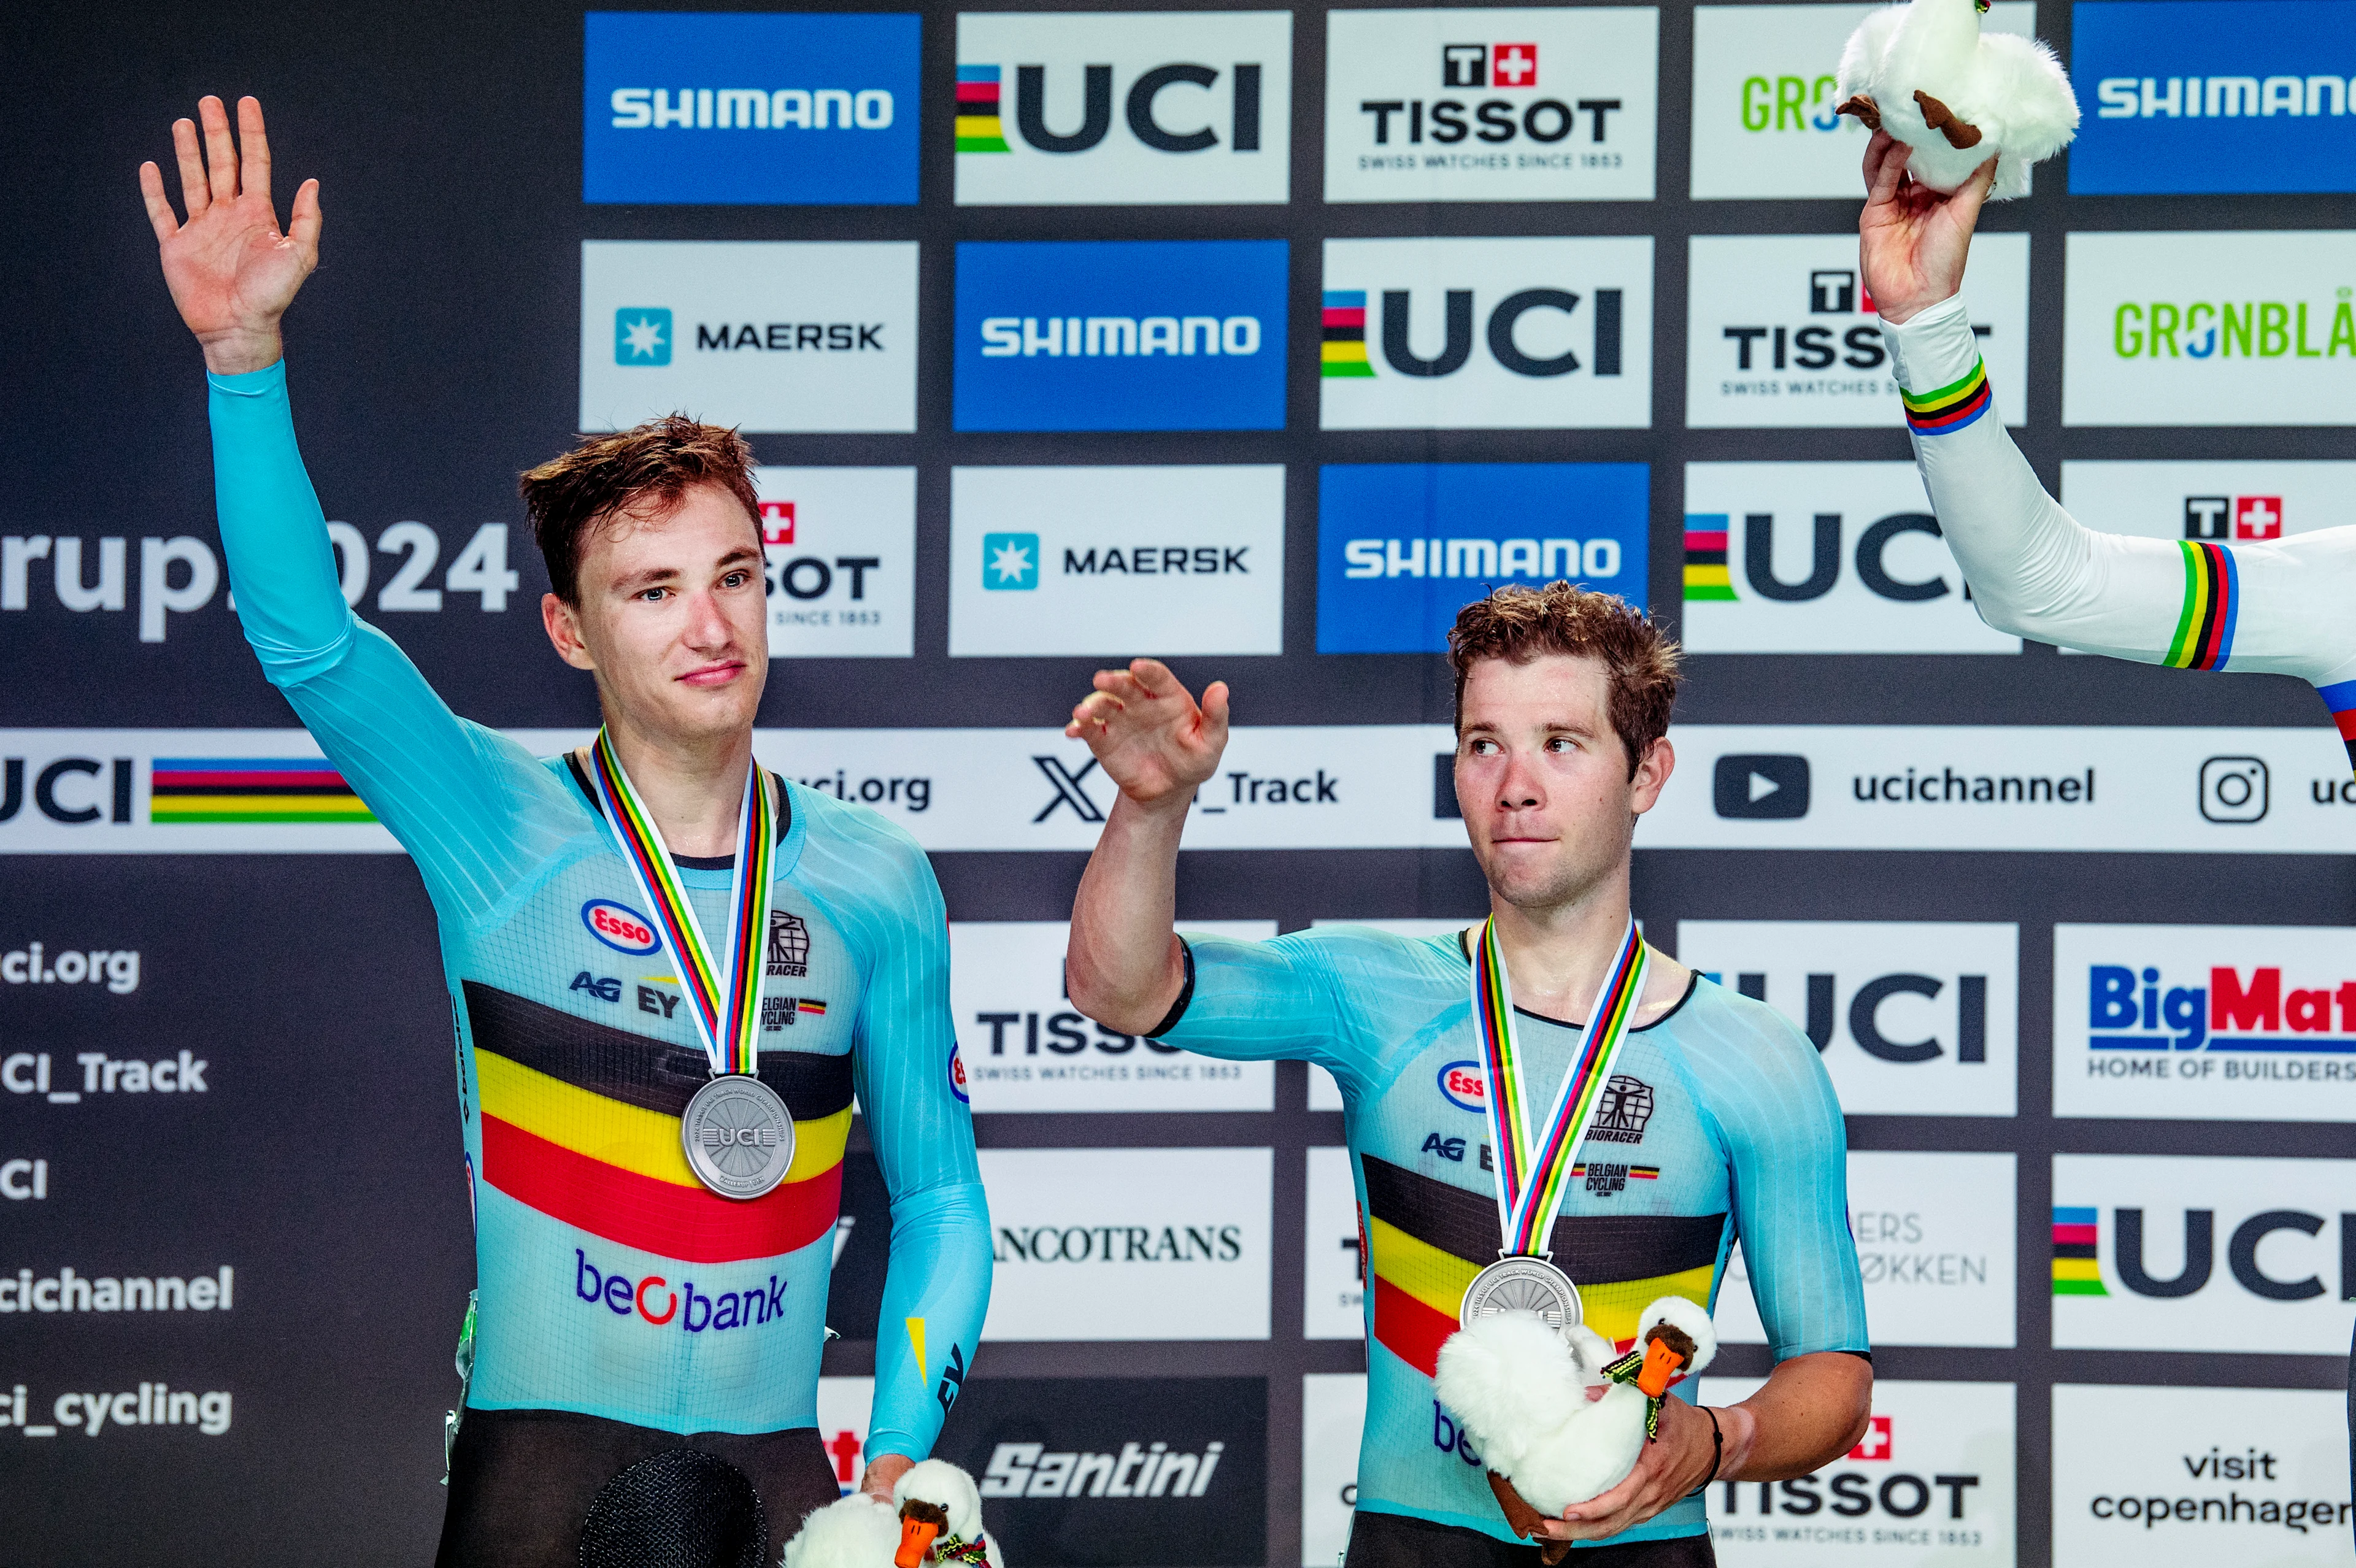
(619, 926)
(1156, 107)
(1465, 1086)
(1419, 107)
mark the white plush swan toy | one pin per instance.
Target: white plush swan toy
(933, 1518)
(1521, 1388)
(1925, 73)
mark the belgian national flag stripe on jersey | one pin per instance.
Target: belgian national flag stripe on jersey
(1427, 1239)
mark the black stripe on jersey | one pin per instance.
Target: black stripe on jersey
(1592, 1248)
(652, 1074)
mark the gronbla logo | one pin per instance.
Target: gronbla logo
(1094, 336)
(2234, 329)
(750, 108)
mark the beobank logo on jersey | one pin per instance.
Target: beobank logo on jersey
(619, 926)
(1822, 557)
(2243, 328)
(1486, 334)
(1551, 104)
(662, 1303)
(2207, 1022)
(1780, 331)
(1088, 107)
(1763, 95)
(2189, 1253)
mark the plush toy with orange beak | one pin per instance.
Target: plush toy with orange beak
(1561, 1416)
(934, 1521)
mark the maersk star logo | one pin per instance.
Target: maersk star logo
(642, 337)
(1009, 561)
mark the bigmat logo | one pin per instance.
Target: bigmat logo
(1401, 547)
(1106, 561)
(731, 108)
(1779, 331)
(2246, 328)
(1912, 1018)
(1121, 334)
(2205, 1022)
(2189, 1477)
(1334, 1270)
(1431, 106)
(1936, 1240)
(1086, 108)
(1934, 1482)
(2185, 1253)
(2207, 95)
(1487, 333)
(1822, 557)
(1129, 1243)
(1764, 96)
(765, 335)
(1026, 1048)
(841, 549)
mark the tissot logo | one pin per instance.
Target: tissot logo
(841, 549)
(1932, 1481)
(1822, 557)
(1759, 785)
(1402, 547)
(736, 108)
(2172, 104)
(2225, 503)
(1413, 112)
(1144, 107)
(2242, 518)
(771, 336)
(1121, 334)
(1779, 331)
(1097, 560)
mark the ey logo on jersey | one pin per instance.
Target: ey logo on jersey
(1402, 547)
(736, 108)
(1414, 111)
(1156, 107)
(1486, 334)
(1120, 334)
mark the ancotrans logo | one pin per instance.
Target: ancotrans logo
(1139, 1469)
(1145, 107)
(2174, 103)
(1420, 107)
(739, 107)
(1402, 547)
(1120, 334)
(660, 1303)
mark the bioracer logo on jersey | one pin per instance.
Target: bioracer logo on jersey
(1532, 104)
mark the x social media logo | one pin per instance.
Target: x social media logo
(1009, 561)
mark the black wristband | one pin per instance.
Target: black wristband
(1717, 1450)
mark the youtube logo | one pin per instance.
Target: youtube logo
(1760, 786)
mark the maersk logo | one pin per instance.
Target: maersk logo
(2200, 95)
(642, 337)
(1183, 334)
(1009, 561)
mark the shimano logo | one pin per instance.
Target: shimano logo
(750, 108)
(1484, 559)
(1029, 1470)
(1099, 337)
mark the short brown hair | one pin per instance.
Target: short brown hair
(1518, 625)
(608, 475)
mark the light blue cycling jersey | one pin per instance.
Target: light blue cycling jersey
(612, 1283)
(1718, 1122)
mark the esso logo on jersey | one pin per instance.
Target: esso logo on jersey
(619, 926)
(1466, 1087)
(956, 1076)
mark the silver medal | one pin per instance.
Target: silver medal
(1521, 1283)
(738, 1136)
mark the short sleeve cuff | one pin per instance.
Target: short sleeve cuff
(1170, 1019)
(1934, 349)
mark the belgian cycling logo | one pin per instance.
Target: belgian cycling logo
(781, 1012)
(1009, 561)
(1620, 1114)
(1609, 1179)
(620, 927)
(642, 335)
(789, 945)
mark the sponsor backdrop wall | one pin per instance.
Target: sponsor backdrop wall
(1261, 339)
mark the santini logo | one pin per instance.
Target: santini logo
(1028, 1470)
(751, 108)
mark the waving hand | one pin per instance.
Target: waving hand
(1912, 240)
(1144, 726)
(232, 271)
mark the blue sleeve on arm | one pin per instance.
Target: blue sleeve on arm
(879, 889)
(1280, 1000)
(471, 807)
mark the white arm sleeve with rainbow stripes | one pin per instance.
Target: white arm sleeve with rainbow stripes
(2283, 607)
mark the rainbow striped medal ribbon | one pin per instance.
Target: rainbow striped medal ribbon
(1534, 1173)
(737, 1132)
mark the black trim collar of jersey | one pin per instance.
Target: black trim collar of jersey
(1693, 982)
(690, 862)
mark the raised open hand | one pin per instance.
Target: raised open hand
(1145, 728)
(232, 273)
(1911, 240)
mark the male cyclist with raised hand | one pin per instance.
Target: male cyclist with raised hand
(2282, 607)
(655, 1193)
